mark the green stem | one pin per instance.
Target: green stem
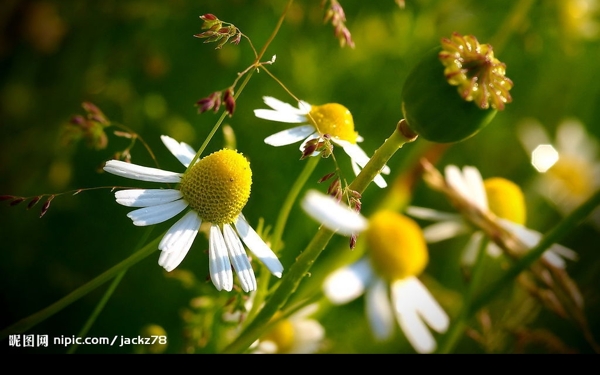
(100, 306)
(219, 122)
(25, 324)
(98, 309)
(454, 334)
(513, 22)
(553, 236)
(291, 280)
(284, 213)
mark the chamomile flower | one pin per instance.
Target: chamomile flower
(317, 121)
(214, 190)
(502, 198)
(569, 165)
(388, 275)
(297, 334)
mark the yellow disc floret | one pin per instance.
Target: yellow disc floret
(505, 199)
(333, 119)
(397, 246)
(218, 186)
(281, 334)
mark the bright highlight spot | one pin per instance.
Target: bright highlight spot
(544, 157)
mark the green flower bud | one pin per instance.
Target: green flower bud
(455, 90)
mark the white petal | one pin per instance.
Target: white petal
(309, 138)
(258, 247)
(458, 181)
(181, 232)
(290, 136)
(444, 230)
(348, 283)
(572, 139)
(290, 118)
(531, 238)
(182, 151)
(378, 180)
(308, 335)
(178, 241)
(554, 259)
(239, 259)
(471, 250)
(379, 310)
(218, 260)
(404, 301)
(429, 214)
(477, 190)
(146, 197)
(357, 154)
(157, 214)
(280, 106)
(137, 172)
(326, 210)
(429, 309)
(532, 134)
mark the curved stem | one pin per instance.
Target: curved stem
(24, 324)
(284, 213)
(291, 280)
(98, 309)
(457, 328)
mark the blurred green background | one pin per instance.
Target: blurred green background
(140, 64)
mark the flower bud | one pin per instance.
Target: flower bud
(455, 90)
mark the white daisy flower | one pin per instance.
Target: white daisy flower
(332, 119)
(388, 275)
(214, 190)
(569, 165)
(297, 334)
(497, 195)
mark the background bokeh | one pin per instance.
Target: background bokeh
(140, 64)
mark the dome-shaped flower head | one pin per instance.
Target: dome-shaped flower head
(502, 198)
(214, 190)
(330, 120)
(388, 275)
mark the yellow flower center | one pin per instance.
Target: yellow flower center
(397, 246)
(218, 186)
(574, 176)
(333, 119)
(505, 199)
(282, 334)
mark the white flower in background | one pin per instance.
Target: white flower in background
(580, 18)
(497, 195)
(297, 334)
(388, 275)
(569, 165)
(214, 190)
(332, 119)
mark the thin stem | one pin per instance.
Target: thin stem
(553, 236)
(513, 22)
(291, 280)
(451, 338)
(25, 324)
(274, 33)
(98, 309)
(284, 213)
(218, 124)
(100, 306)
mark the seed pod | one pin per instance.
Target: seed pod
(455, 90)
